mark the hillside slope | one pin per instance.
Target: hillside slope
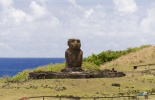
(125, 63)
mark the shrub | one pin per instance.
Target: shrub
(21, 76)
(6, 78)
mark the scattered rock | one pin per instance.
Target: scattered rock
(116, 84)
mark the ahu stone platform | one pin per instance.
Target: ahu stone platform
(76, 74)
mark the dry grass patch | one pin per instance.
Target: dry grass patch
(78, 87)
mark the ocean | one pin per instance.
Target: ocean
(11, 66)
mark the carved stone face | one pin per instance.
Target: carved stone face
(74, 44)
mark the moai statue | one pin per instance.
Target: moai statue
(74, 56)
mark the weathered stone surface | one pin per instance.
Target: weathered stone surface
(41, 75)
(73, 55)
(116, 84)
(75, 74)
(72, 69)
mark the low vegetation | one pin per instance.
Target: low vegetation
(24, 75)
(109, 55)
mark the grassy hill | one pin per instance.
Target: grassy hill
(109, 55)
(126, 62)
(133, 83)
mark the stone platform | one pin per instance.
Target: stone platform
(76, 74)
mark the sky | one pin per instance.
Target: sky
(41, 28)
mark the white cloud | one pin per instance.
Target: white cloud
(148, 23)
(10, 15)
(5, 46)
(100, 33)
(17, 15)
(42, 2)
(143, 40)
(41, 28)
(88, 13)
(74, 3)
(6, 3)
(127, 6)
(37, 9)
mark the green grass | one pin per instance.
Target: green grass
(78, 87)
(24, 75)
(133, 81)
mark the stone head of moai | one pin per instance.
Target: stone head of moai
(74, 44)
(74, 54)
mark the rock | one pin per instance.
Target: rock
(116, 84)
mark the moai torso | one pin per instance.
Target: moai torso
(74, 54)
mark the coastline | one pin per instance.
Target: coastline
(11, 66)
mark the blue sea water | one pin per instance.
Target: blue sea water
(11, 66)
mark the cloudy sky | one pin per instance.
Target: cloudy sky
(41, 28)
